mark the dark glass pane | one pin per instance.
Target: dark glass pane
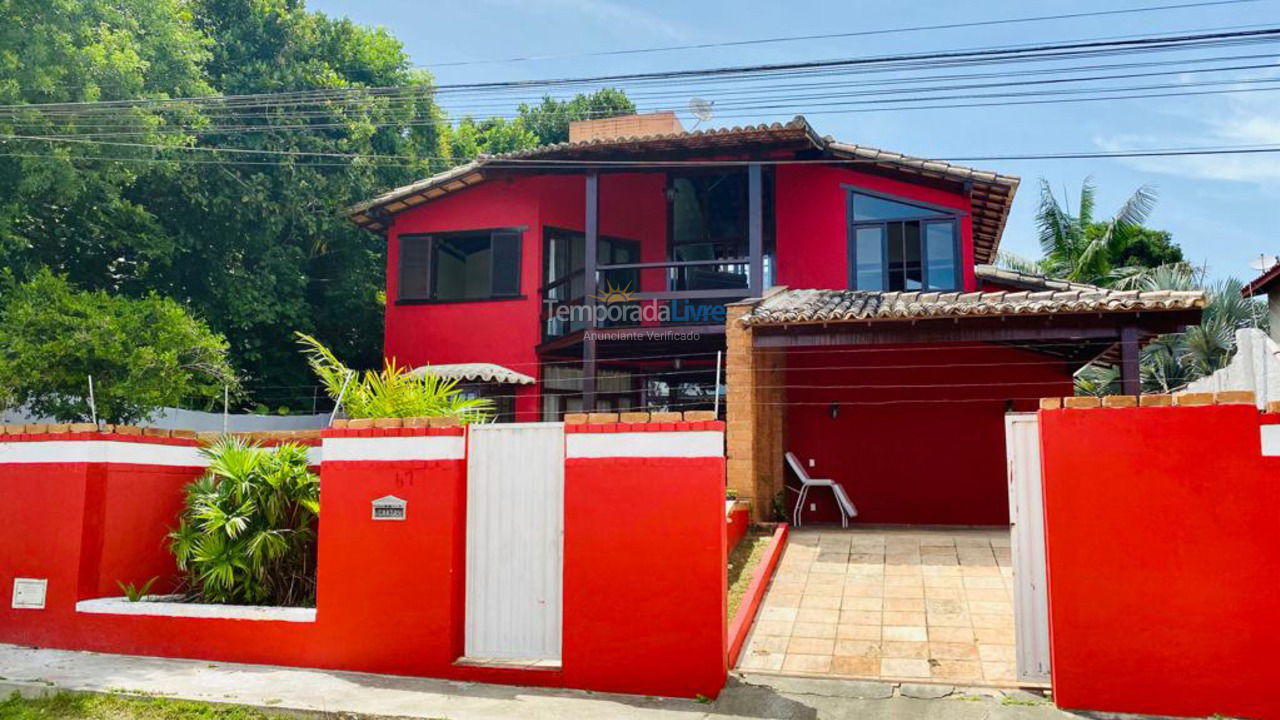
(506, 264)
(912, 266)
(940, 249)
(872, 208)
(686, 212)
(868, 254)
(897, 263)
(709, 207)
(461, 267)
(415, 256)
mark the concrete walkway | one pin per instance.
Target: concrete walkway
(37, 672)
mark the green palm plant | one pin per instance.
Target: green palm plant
(393, 391)
(247, 530)
(1077, 247)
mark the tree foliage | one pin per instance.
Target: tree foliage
(1079, 248)
(143, 353)
(247, 530)
(392, 392)
(542, 124)
(252, 242)
(1120, 252)
(549, 120)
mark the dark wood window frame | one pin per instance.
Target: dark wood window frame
(938, 214)
(431, 238)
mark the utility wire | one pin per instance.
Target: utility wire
(1025, 52)
(841, 35)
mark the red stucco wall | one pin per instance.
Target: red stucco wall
(648, 619)
(1163, 553)
(927, 445)
(644, 583)
(812, 222)
(506, 332)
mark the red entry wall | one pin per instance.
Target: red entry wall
(1163, 554)
(918, 435)
(644, 583)
(638, 604)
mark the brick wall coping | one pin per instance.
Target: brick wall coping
(1185, 399)
(648, 427)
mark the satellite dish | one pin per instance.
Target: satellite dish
(701, 109)
(1263, 262)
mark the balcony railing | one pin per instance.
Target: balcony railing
(615, 299)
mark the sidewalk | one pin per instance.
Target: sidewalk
(37, 672)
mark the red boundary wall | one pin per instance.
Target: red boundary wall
(1163, 551)
(738, 521)
(644, 571)
(740, 627)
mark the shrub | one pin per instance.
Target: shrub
(247, 530)
(393, 392)
(143, 353)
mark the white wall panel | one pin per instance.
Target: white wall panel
(515, 541)
(1026, 516)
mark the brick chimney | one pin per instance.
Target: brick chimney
(659, 123)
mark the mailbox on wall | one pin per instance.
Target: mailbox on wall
(389, 507)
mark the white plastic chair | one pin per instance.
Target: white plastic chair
(843, 503)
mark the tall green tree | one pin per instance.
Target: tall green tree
(75, 207)
(239, 131)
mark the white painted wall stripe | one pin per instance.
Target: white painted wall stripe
(1271, 440)
(417, 447)
(100, 451)
(122, 606)
(110, 451)
(645, 444)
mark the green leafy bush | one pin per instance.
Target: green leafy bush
(247, 531)
(392, 392)
(143, 353)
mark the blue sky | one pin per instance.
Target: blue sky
(1221, 209)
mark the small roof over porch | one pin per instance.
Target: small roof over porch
(786, 351)
(1094, 322)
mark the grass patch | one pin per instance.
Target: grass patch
(742, 566)
(68, 706)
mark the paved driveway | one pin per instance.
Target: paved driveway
(892, 604)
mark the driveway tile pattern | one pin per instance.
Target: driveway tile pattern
(890, 603)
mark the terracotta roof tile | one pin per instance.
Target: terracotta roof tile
(825, 306)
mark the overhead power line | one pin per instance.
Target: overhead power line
(1008, 53)
(842, 35)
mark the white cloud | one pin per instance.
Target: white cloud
(1217, 123)
(631, 21)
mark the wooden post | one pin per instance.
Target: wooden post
(591, 252)
(755, 229)
(1130, 368)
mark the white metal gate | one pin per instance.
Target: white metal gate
(515, 541)
(1026, 516)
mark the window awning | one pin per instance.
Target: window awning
(476, 372)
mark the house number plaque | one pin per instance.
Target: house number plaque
(389, 508)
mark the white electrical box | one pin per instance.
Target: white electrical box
(389, 507)
(28, 593)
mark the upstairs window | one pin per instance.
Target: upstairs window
(460, 266)
(900, 246)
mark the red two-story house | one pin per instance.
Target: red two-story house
(598, 274)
